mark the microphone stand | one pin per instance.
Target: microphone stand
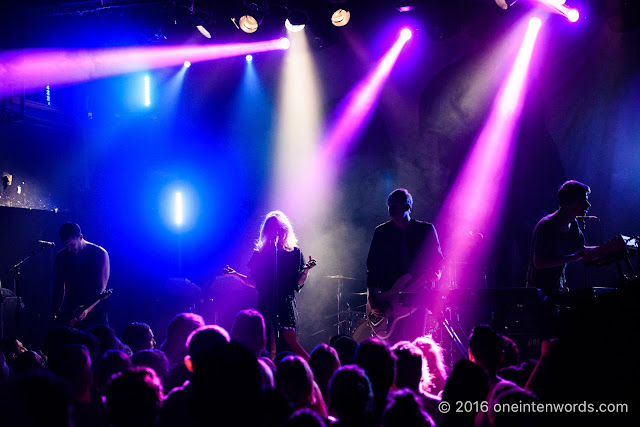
(582, 223)
(276, 301)
(16, 288)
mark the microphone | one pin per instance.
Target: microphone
(583, 217)
(45, 243)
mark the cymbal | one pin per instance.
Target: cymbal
(357, 293)
(340, 277)
(354, 313)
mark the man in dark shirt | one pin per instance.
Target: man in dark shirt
(557, 240)
(402, 246)
(82, 273)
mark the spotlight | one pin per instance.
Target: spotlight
(203, 31)
(535, 23)
(505, 4)
(249, 58)
(284, 43)
(202, 19)
(147, 91)
(187, 64)
(340, 17)
(248, 24)
(405, 34)
(179, 209)
(296, 20)
(573, 15)
(404, 5)
(293, 28)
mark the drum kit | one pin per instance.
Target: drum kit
(352, 319)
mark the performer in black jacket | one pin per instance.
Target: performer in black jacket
(402, 246)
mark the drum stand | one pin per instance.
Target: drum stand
(344, 318)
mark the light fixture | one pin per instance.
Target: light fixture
(147, 91)
(405, 34)
(293, 28)
(404, 5)
(296, 20)
(340, 17)
(203, 21)
(284, 43)
(248, 24)
(203, 31)
(505, 4)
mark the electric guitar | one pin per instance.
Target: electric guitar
(383, 326)
(72, 317)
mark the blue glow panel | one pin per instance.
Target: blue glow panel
(147, 91)
(179, 209)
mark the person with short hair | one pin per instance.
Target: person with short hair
(400, 247)
(558, 240)
(138, 336)
(82, 273)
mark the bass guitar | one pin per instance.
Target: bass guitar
(389, 303)
(72, 317)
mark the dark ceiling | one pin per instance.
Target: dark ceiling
(42, 23)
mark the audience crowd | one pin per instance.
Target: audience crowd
(204, 375)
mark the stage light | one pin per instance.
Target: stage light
(249, 58)
(147, 91)
(296, 20)
(405, 34)
(404, 5)
(535, 24)
(284, 43)
(187, 64)
(293, 28)
(248, 24)
(573, 15)
(48, 93)
(202, 20)
(505, 4)
(203, 31)
(179, 209)
(340, 17)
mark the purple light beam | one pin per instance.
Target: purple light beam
(34, 69)
(475, 202)
(350, 118)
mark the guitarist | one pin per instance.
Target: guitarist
(402, 246)
(82, 273)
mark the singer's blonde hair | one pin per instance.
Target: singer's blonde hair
(289, 239)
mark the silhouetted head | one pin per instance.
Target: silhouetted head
(138, 336)
(249, 329)
(133, 398)
(350, 395)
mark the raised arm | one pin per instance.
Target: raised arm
(302, 277)
(245, 280)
